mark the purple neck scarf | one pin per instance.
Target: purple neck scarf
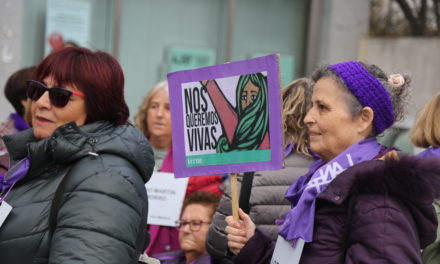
(14, 174)
(19, 122)
(430, 153)
(288, 149)
(299, 220)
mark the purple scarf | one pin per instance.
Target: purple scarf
(299, 220)
(19, 122)
(430, 153)
(288, 149)
(14, 174)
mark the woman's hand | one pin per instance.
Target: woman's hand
(239, 232)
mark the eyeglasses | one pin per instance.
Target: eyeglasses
(59, 97)
(194, 225)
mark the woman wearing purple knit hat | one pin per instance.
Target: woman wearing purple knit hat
(359, 203)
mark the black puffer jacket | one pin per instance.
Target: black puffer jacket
(103, 212)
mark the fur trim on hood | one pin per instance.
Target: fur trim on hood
(409, 179)
(415, 182)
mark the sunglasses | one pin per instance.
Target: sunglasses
(59, 97)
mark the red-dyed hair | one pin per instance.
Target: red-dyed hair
(97, 74)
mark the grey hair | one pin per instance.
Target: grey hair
(140, 119)
(399, 95)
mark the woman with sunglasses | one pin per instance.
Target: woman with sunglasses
(75, 191)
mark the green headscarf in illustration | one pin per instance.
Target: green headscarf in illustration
(252, 113)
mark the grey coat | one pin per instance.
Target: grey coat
(266, 202)
(103, 212)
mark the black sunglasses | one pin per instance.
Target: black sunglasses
(59, 97)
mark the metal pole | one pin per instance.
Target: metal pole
(230, 33)
(117, 28)
(314, 35)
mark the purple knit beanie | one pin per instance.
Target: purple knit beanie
(368, 90)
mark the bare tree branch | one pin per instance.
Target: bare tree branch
(437, 14)
(422, 16)
(409, 15)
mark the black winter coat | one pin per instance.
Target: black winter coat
(393, 217)
(103, 212)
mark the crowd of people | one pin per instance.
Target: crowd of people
(73, 170)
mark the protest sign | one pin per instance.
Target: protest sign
(227, 118)
(165, 198)
(287, 66)
(67, 20)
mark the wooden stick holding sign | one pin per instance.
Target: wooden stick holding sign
(234, 195)
(227, 119)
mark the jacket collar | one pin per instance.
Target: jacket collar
(412, 181)
(70, 143)
(341, 188)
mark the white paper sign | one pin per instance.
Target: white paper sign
(284, 253)
(5, 209)
(165, 198)
(70, 18)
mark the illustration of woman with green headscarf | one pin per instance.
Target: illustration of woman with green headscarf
(245, 126)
